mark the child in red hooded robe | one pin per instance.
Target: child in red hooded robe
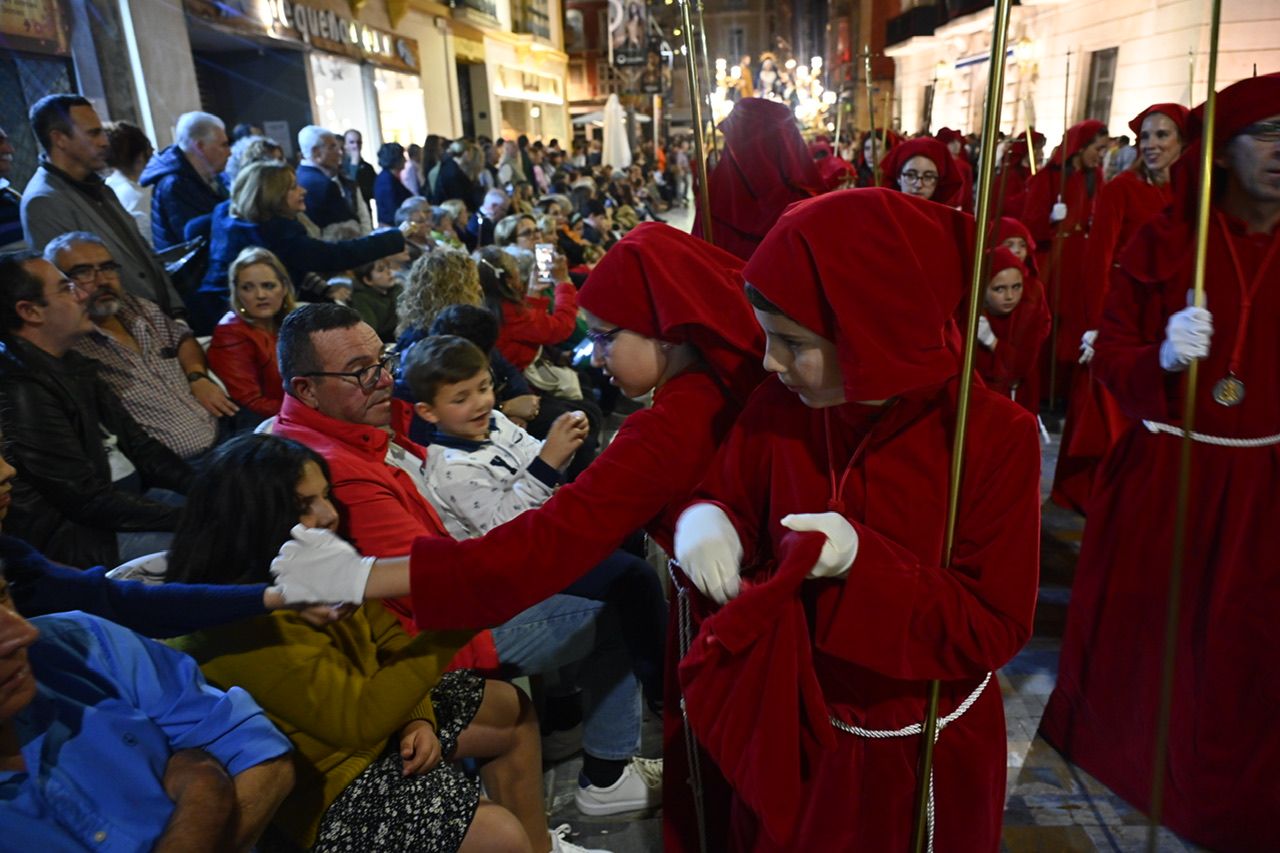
(852, 439)
(1011, 329)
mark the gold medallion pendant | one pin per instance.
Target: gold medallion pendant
(1229, 391)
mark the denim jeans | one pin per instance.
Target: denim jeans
(582, 641)
(132, 544)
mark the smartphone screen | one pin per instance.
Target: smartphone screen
(544, 256)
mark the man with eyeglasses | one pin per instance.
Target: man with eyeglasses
(152, 362)
(338, 401)
(85, 464)
(1220, 789)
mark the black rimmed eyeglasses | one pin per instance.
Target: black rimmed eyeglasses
(366, 377)
(601, 341)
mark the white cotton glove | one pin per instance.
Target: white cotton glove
(841, 547)
(1086, 345)
(317, 565)
(986, 337)
(1058, 213)
(709, 551)
(1186, 338)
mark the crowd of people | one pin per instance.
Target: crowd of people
(303, 463)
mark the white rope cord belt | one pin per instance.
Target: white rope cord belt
(1216, 440)
(917, 729)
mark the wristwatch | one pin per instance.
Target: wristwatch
(196, 374)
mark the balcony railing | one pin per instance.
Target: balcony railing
(920, 21)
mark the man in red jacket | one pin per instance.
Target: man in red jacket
(338, 402)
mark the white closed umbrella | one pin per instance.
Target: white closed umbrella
(617, 148)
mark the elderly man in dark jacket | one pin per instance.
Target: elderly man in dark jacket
(186, 177)
(84, 463)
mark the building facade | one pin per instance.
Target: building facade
(1123, 55)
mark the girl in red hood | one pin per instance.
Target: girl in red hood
(1012, 328)
(924, 168)
(1067, 220)
(954, 141)
(790, 682)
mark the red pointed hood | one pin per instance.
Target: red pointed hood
(1079, 136)
(886, 298)
(950, 183)
(1177, 113)
(948, 135)
(1010, 227)
(764, 166)
(1002, 259)
(662, 283)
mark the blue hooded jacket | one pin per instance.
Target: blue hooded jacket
(180, 195)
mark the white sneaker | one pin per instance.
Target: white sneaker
(639, 787)
(560, 842)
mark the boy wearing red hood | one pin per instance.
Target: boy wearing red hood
(954, 141)
(1067, 219)
(1221, 788)
(804, 691)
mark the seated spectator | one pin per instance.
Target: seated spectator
(443, 225)
(66, 194)
(529, 321)
(489, 469)
(374, 297)
(437, 280)
(249, 150)
(338, 289)
(417, 212)
(480, 225)
(156, 758)
(243, 349)
(510, 165)
(264, 211)
(85, 463)
(339, 404)
(379, 729)
(598, 225)
(330, 196)
(522, 197)
(244, 130)
(10, 199)
(518, 236)
(389, 192)
(153, 363)
(128, 152)
(185, 176)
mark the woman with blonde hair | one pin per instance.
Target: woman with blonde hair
(243, 350)
(437, 280)
(264, 211)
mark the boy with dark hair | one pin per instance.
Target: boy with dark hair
(488, 469)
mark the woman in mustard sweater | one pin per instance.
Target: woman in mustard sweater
(377, 725)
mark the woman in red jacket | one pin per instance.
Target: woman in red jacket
(1130, 200)
(700, 349)
(805, 685)
(530, 321)
(243, 350)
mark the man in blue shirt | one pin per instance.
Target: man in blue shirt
(114, 742)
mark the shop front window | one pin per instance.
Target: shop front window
(401, 107)
(340, 98)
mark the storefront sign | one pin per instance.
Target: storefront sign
(320, 28)
(33, 25)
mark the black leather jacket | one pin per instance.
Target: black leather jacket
(54, 412)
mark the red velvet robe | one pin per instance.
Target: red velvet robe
(1094, 421)
(898, 619)
(1077, 293)
(1013, 369)
(1222, 788)
(642, 479)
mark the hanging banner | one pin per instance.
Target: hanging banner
(656, 77)
(628, 33)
